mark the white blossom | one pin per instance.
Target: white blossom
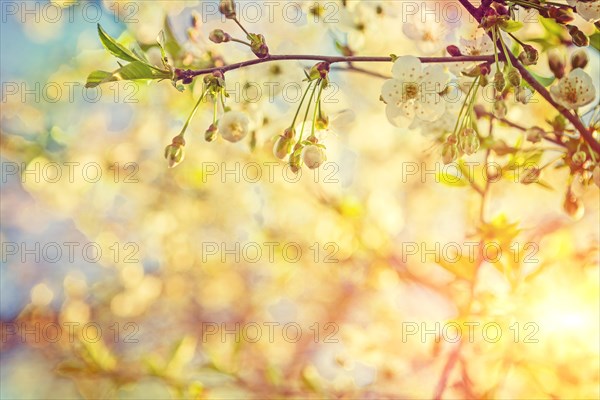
(414, 91)
(589, 10)
(234, 126)
(574, 90)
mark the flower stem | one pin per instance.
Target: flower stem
(300, 105)
(187, 122)
(307, 110)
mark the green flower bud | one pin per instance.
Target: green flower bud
(499, 109)
(469, 143)
(449, 153)
(322, 122)
(218, 36)
(174, 152)
(284, 143)
(296, 159)
(211, 133)
(258, 44)
(514, 77)
(227, 8)
(499, 81)
(579, 158)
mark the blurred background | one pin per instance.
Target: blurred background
(229, 277)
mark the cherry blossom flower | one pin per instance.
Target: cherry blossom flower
(574, 90)
(234, 126)
(475, 46)
(414, 91)
(589, 10)
(430, 38)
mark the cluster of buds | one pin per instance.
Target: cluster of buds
(495, 15)
(258, 44)
(562, 15)
(320, 71)
(219, 36)
(174, 153)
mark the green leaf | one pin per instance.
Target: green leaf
(115, 48)
(96, 77)
(545, 81)
(551, 26)
(171, 45)
(130, 72)
(511, 26)
(451, 180)
(595, 41)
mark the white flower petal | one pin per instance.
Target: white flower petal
(435, 77)
(407, 68)
(391, 92)
(590, 11)
(400, 116)
(430, 111)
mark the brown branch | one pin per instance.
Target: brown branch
(330, 60)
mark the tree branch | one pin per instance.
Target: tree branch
(330, 60)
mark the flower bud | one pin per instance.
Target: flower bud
(314, 156)
(227, 8)
(523, 95)
(561, 15)
(258, 45)
(531, 175)
(579, 158)
(529, 55)
(219, 36)
(454, 51)
(579, 59)
(499, 109)
(283, 145)
(596, 175)
(211, 133)
(470, 141)
(174, 152)
(514, 77)
(296, 159)
(579, 38)
(535, 134)
(452, 139)
(573, 206)
(322, 122)
(319, 70)
(499, 81)
(556, 64)
(449, 153)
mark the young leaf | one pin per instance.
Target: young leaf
(115, 48)
(511, 26)
(130, 72)
(96, 77)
